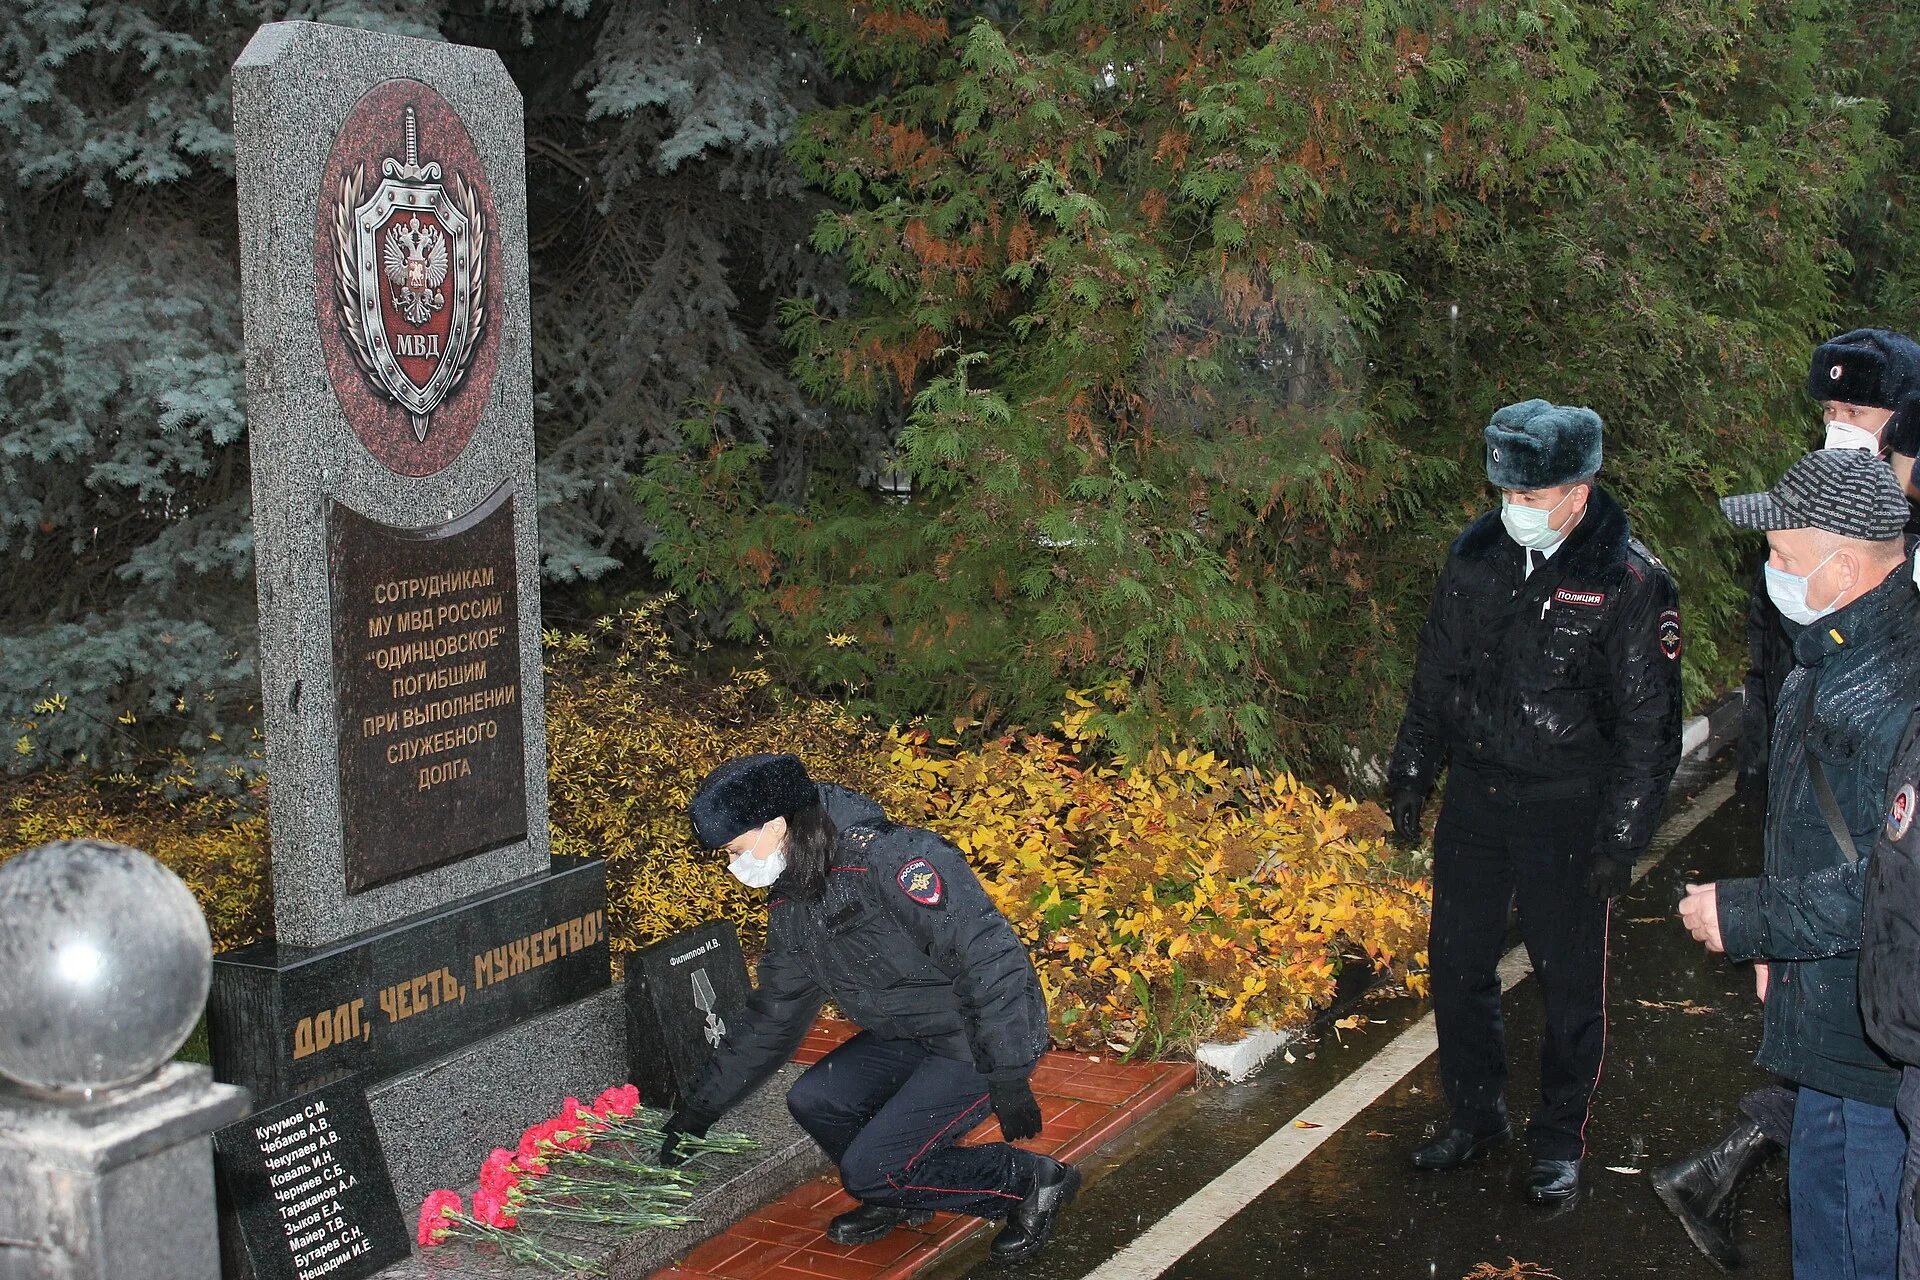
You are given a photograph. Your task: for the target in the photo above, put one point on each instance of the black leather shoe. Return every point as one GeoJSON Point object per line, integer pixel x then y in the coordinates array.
{"type": "Point", "coordinates": [1701, 1189]}
{"type": "Point", "coordinates": [1028, 1226]}
{"type": "Point", "coordinates": [872, 1221]}
{"type": "Point", "coordinates": [1457, 1148]}
{"type": "Point", "coordinates": [1553, 1181]}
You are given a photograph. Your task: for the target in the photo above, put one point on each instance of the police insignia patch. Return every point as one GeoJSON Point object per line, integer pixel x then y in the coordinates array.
{"type": "Point", "coordinates": [919, 881]}
{"type": "Point", "coordinates": [1900, 815]}
{"type": "Point", "coordinates": [1670, 642]}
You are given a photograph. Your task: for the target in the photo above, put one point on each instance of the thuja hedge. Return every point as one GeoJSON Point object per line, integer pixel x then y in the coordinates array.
{"type": "Point", "coordinates": [1191, 315]}
{"type": "Point", "coordinates": [1162, 899]}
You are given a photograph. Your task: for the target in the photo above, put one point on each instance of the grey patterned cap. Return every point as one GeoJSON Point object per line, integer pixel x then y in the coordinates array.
{"type": "Point", "coordinates": [1845, 491]}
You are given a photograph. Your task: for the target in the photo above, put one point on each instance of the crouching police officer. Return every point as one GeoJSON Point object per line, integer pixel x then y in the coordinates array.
{"type": "Point", "coordinates": [1549, 675]}
{"type": "Point", "coordinates": [888, 922]}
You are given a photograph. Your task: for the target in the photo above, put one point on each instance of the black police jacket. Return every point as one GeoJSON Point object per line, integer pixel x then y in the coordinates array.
{"type": "Point", "coordinates": [1847, 701]}
{"type": "Point", "coordinates": [1890, 916]}
{"type": "Point", "coordinates": [905, 942]}
{"type": "Point", "coordinates": [1573, 672]}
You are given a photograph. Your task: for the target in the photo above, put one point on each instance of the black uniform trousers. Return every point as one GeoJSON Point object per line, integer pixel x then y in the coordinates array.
{"type": "Point", "coordinates": [890, 1113]}
{"type": "Point", "coordinates": [1501, 843]}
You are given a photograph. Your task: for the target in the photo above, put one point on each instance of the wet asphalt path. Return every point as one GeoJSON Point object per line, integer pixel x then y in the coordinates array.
{"type": "Point", "coordinates": [1683, 1027]}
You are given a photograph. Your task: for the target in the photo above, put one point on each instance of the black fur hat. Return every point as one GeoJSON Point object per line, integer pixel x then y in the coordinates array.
{"type": "Point", "coordinates": [1877, 368]}
{"type": "Point", "coordinates": [1536, 445]}
{"type": "Point", "coordinates": [749, 792]}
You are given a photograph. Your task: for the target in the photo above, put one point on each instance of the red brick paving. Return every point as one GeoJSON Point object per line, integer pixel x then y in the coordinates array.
{"type": "Point", "coordinates": [1086, 1102]}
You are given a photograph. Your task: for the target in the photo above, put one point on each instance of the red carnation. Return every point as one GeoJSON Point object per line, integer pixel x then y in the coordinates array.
{"type": "Point", "coordinates": [532, 1156]}
{"type": "Point", "coordinates": [573, 1128]}
{"type": "Point", "coordinates": [499, 1174]}
{"type": "Point", "coordinates": [492, 1207]}
{"type": "Point", "coordinates": [437, 1213]}
{"type": "Point", "coordinates": [622, 1100]}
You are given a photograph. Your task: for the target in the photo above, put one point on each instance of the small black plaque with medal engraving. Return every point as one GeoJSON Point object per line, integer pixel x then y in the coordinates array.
{"type": "Point", "coordinates": [681, 995]}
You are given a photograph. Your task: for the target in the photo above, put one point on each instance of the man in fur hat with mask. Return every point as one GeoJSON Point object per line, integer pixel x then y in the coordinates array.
{"type": "Point", "coordinates": [1548, 680]}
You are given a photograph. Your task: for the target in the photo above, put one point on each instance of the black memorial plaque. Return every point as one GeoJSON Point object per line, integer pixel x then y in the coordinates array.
{"type": "Point", "coordinates": [307, 1186]}
{"type": "Point", "coordinates": [681, 994]}
{"type": "Point", "coordinates": [287, 1019]}
{"type": "Point", "coordinates": [426, 661]}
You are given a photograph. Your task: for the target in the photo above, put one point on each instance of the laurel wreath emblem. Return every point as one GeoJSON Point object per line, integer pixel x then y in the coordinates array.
{"type": "Point", "coordinates": [346, 275]}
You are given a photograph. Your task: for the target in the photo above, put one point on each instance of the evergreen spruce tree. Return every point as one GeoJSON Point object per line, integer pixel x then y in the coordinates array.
{"type": "Point", "coordinates": [666, 224]}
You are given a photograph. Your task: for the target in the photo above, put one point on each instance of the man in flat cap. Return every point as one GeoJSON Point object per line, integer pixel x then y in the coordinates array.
{"type": "Point", "coordinates": [1549, 680]}
{"type": "Point", "coordinates": [1866, 383]}
{"type": "Point", "coordinates": [1836, 569]}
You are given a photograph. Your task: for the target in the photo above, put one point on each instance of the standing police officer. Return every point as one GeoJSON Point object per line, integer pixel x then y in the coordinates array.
{"type": "Point", "coordinates": [889, 922]}
{"type": "Point", "coordinates": [1549, 677]}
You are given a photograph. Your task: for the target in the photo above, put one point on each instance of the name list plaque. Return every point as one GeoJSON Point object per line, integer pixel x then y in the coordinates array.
{"type": "Point", "coordinates": [310, 1188]}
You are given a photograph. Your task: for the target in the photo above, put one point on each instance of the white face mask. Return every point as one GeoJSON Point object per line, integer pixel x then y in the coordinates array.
{"type": "Point", "coordinates": [1788, 591]}
{"type": "Point", "coordinates": [755, 872]}
{"type": "Point", "coordinates": [1844, 435]}
{"type": "Point", "coordinates": [1531, 526]}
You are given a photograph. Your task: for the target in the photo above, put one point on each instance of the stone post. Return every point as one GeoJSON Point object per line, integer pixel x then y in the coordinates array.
{"type": "Point", "coordinates": [106, 1158]}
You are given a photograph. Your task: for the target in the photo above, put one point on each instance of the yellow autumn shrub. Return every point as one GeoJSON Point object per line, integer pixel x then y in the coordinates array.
{"type": "Point", "coordinates": [217, 844]}
{"type": "Point", "coordinates": [1162, 899]}
{"type": "Point", "coordinates": [1171, 897]}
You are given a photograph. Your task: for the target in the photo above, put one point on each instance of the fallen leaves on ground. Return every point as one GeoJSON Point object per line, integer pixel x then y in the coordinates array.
{"type": "Point", "coordinates": [1514, 1270]}
{"type": "Point", "coordinates": [1683, 1006]}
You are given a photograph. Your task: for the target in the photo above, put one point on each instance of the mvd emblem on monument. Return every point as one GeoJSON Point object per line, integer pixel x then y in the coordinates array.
{"type": "Point", "coordinates": [408, 295]}
{"type": "Point", "coordinates": [412, 343]}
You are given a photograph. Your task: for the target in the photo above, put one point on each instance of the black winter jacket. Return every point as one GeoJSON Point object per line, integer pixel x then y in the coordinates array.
{"type": "Point", "coordinates": [1770, 657]}
{"type": "Point", "coordinates": [1573, 672]}
{"type": "Point", "coordinates": [907, 944]}
{"type": "Point", "coordinates": [1847, 701]}
{"type": "Point", "coordinates": [1890, 916]}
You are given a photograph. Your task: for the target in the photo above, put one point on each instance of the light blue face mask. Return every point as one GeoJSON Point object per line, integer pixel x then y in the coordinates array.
{"type": "Point", "coordinates": [1788, 591]}
{"type": "Point", "coordinates": [1532, 527]}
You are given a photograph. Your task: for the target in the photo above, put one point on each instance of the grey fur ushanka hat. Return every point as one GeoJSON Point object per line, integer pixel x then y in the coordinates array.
{"type": "Point", "coordinates": [1537, 445]}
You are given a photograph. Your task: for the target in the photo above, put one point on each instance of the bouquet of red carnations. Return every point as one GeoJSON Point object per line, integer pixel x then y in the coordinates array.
{"type": "Point", "coordinates": [583, 1167]}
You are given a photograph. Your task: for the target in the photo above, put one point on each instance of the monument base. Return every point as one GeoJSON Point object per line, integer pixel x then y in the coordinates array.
{"type": "Point", "coordinates": [283, 1020]}
{"type": "Point", "coordinates": [438, 1121]}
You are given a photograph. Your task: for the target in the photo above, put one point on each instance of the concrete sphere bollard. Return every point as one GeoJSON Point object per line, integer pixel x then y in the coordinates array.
{"type": "Point", "coordinates": [105, 961]}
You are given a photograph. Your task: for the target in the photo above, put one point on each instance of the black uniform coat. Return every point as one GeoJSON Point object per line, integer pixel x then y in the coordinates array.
{"type": "Point", "coordinates": [907, 944]}
{"type": "Point", "coordinates": [1572, 672]}
{"type": "Point", "coordinates": [1848, 701]}
{"type": "Point", "coordinates": [1890, 916]}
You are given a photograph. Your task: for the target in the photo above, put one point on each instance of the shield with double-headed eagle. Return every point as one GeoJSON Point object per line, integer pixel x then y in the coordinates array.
{"type": "Point", "coordinates": [409, 268]}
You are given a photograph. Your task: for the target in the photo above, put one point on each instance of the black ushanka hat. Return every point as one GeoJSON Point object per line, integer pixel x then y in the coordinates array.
{"type": "Point", "coordinates": [749, 792]}
{"type": "Point", "coordinates": [1877, 368]}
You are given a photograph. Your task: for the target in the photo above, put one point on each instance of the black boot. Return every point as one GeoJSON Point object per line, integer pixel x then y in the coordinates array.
{"type": "Point", "coordinates": [1701, 1188]}
{"type": "Point", "coordinates": [1027, 1229]}
{"type": "Point", "coordinates": [872, 1221]}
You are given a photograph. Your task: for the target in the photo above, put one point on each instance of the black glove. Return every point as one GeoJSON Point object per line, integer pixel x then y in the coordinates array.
{"type": "Point", "coordinates": [1609, 877]}
{"type": "Point", "coordinates": [682, 1125]}
{"type": "Point", "coordinates": [1014, 1103]}
{"type": "Point", "coordinates": [1407, 803]}
{"type": "Point", "coordinates": [1750, 784]}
